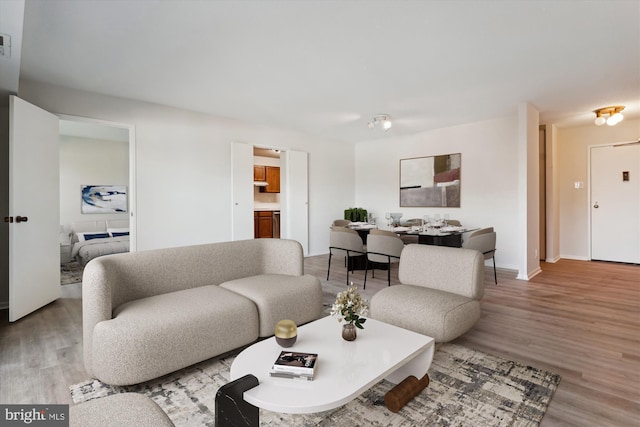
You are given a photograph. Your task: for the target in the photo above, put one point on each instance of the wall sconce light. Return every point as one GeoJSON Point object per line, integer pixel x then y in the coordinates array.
{"type": "Point", "coordinates": [384, 120]}
{"type": "Point", "coordinates": [609, 115]}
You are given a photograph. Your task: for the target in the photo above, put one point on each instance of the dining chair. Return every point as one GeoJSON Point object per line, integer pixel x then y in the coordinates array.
{"type": "Point", "coordinates": [411, 238]}
{"type": "Point", "coordinates": [481, 231]}
{"type": "Point", "coordinates": [341, 222]}
{"type": "Point", "coordinates": [383, 247]}
{"type": "Point", "coordinates": [484, 241]}
{"type": "Point", "coordinates": [345, 242]}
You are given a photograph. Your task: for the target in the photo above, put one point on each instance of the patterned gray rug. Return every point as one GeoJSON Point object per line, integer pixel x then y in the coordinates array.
{"type": "Point", "coordinates": [467, 388]}
{"type": "Point", "coordinates": [70, 272]}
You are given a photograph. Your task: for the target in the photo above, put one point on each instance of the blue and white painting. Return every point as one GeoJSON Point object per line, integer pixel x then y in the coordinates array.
{"type": "Point", "coordinates": [104, 199]}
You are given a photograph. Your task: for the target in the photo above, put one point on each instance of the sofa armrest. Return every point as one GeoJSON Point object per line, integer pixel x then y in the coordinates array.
{"type": "Point", "coordinates": [455, 270]}
{"type": "Point", "coordinates": [281, 256]}
{"type": "Point", "coordinates": [96, 303]}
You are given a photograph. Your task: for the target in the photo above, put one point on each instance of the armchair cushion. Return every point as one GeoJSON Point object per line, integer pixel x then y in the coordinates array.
{"type": "Point", "coordinates": [441, 315]}
{"type": "Point", "coordinates": [122, 410]}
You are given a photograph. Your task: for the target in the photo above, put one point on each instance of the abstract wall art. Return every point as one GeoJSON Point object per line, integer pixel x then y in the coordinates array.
{"type": "Point", "coordinates": [431, 181]}
{"type": "Point", "coordinates": [104, 199]}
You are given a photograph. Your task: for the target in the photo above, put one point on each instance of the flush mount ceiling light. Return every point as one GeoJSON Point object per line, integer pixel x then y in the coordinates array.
{"type": "Point", "coordinates": [609, 115]}
{"type": "Point", "coordinates": [384, 120]}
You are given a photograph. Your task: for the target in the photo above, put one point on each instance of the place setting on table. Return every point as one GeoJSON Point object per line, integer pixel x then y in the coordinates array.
{"type": "Point", "coordinates": [431, 230]}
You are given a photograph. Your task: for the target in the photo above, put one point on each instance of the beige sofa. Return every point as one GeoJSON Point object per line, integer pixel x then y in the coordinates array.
{"type": "Point", "coordinates": [149, 313]}
{"type": "Point", "coordinates": [439, 295]}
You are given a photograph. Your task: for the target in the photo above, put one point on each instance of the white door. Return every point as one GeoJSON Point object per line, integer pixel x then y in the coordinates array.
{"type": "Point", "coordinates": [615, 203]}
{"type": "Point", "coordinates": [34, 207]}
{"type": "Point", "coordinates": [295, 214]}
{"type": "Point", "coordinates": [241, 191]}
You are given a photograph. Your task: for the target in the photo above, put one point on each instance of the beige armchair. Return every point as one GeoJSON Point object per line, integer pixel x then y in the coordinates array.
{"type": "Point", "coordinates": [440, 292]}
{"type": "Point", "coordinates": [347, 243]}
{"type": "Point", "coordinates": [383, 247]}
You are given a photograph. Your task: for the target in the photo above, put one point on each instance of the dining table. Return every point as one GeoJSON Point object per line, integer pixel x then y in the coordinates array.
{"type": "Point", "coordinates": [443, 236]}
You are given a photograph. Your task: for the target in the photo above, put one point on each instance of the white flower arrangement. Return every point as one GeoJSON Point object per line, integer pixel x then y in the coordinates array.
{"type": "Point", "coordinates": [350, 307]}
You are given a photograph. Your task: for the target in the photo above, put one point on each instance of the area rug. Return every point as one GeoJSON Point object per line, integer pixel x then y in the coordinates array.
{"type": "Point", "coordinates": [70, 272]}
{"type": "Point", "coordinates": [467, 388]}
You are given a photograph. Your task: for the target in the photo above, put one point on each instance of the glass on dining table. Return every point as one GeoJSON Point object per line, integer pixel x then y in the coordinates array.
{"type": "Point", "coordinates": [396, 216]}
{"type": "Point", "coordinates": [437, 221]}
{"type": "Point", "coordinates": [427, 222]}
{"type": "Point", "coordinates": [371, 218]}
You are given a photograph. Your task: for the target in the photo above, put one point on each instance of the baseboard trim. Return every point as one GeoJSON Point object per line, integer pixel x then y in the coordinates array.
{"type": "Point", "coordinates": [577, 258]}
{"type": "Point", "coordinates": [529, 275]}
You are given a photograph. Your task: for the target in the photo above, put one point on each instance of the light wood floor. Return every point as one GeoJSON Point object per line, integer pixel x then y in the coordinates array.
{"type": "Point", "coordinates": [579, 319]}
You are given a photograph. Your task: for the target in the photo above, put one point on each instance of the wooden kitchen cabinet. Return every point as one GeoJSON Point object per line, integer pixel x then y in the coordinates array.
{"type": "Point", "coordinates": [259, 173]}
{"type": "Point", "coordinates": [263, 224]}
{"type": "Point", "coordinates": [273, 180]}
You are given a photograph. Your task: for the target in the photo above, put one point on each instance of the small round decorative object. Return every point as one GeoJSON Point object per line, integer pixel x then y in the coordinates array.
{"type": "Point", "coordinates": [286, 333]}
{"type": "Point", "coordinates": [349, 332]}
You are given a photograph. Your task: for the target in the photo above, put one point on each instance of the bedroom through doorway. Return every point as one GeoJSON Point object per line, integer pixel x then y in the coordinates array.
{"type": "Point", "coordinates": [96, 193]}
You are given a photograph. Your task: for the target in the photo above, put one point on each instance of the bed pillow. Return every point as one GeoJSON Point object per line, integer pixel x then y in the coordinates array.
{"type": "Point", "coordinates": [117, 230]}
{"type": "Point", "coordinates": [82, 237]}
{"type": "Point", "coordinates": [118, 234]}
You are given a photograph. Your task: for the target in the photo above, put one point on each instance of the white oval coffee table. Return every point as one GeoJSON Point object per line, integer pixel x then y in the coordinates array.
{"type": "Point", "coordinates": [344, 369]}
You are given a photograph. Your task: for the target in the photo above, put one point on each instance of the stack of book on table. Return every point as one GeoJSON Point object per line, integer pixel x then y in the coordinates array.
{"type": "Point", "coordinates": [295, 365]}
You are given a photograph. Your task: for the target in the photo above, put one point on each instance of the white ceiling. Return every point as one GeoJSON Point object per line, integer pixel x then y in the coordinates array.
{"type": "Point", "coordinates": [84, 129]}
{"type": "Point", "coordinates": [326, 67]}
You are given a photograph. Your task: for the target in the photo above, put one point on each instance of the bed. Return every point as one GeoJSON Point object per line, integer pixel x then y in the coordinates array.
{"type": "Point", "coordinates": [92, 239]}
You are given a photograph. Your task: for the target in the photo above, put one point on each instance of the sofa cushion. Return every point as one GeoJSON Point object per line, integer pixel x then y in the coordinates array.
{"type": "Point", "coordinates": [438, 314]}
{"type": "Point", "coordinates": [278, 297]}
{"type": "Point", "coordinates": [153, 336]}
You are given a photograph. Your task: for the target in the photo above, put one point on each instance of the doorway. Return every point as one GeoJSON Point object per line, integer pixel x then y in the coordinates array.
{"type": "Point", "coordinates": [294, 202]}
{"type": "Point", "coordinates": [615, 202]}
{"type": "Point", "coordinates": [266, 192]}
{"type": "Point", "coordinates": [98, 152]}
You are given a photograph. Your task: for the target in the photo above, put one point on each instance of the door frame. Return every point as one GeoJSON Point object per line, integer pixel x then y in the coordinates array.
{"type": "Point", "coordinates": [133, 245]}
{"type": "Point", "coordinates": [285, 206]}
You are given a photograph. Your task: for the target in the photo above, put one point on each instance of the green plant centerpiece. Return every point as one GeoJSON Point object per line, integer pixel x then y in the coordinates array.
{"type": "Point", "coordinates": [355, 214]}
{"type": "Point", "coordinates": [350, 307]}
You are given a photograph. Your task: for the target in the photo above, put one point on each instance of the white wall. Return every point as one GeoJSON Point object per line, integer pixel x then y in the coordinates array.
{"type": "Point", "coordinates": [489, 177]}
{"type": "Point", "coordinates": [572, 148]}
{"type": "Point", "coordinates": [183, 166]}
{"type": "Point", "coordinates": [89, 161]}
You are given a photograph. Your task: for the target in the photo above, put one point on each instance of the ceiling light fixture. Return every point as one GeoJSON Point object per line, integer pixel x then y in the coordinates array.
{"type": "Point", "coordinates": [384, 120]}
{"type": "Point", "coordinates": [609, 115]}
